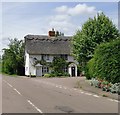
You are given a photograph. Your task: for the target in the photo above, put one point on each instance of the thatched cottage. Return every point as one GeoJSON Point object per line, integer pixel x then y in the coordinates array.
{"type": "Point", "coordinates": [39, 47]}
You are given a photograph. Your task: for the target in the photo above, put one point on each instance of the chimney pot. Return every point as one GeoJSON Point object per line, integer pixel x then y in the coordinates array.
{"type": "Point", "coordinates": [51, 33]}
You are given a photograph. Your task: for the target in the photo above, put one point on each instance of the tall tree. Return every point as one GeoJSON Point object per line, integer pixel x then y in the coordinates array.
{"type": "Point", "coordinates": [13, 57]}
{"type": "Point", "coordinates": [94, 31]}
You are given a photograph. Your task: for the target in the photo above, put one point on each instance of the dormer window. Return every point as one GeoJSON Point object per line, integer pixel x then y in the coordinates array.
{"type": "Point", "coordinates": [45, 57]}
{"type": "Point", "coordinates": [64, 56]}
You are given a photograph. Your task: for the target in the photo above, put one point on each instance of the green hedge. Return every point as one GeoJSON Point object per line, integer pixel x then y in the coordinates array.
{"type": "Point", "coordinates": [106, 62]}
{"type": "Point", "coordinates": [90, 69]}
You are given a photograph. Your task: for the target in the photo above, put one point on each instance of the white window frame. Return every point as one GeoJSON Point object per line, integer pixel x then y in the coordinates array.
{"type": "Point", "coordinates": [46, 57]}
{"type": "Point", "coordinates": [65, 69]}
{"type": "Point", "coordinates": [45, 69]}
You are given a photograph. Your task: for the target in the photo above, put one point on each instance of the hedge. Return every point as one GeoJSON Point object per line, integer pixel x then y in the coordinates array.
{"type": "Point", "coordinates": [89, 71]}
{"type": "Point", "coordinates": [106, 62]}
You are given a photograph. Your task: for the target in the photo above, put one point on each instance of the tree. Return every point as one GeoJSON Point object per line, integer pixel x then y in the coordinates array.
{"type": "Point", "coordinates": [94, 31]}
{"type": "Point", "coordinates": [13, 57]}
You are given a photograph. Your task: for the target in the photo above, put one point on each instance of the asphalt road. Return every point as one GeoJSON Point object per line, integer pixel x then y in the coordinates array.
{"type": "Point", "coordinates": [38, 95]}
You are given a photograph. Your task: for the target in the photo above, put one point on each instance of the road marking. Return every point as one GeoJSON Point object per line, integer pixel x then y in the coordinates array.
{"type": "Point", "coordinates": [56, 86]}
{"type": "Point", "coordinates": [110, 99]}
{"type": "Point", "coordinates": [60, 87]}
{"type": "Point", "coordinates": [81, 92]}
{"type": "Point", "coordinates": [64, 87]}
{"type": "Point", "coordinates": [74, 89]}
{"type": "Point", "coordinates": [17, 91]}
{"type": "Point", "coordinates": [115, 100]}
{"type": "Point", "coordinates": [96, 96]}
{"type": "Point", "coordinates": [88, 93]}
{"type": "Point", "coordinates": [13, 88]}
{"type": "Point", "coordinates": [9, 84]}
{"type": "Point", "coordinates": [34, 106]}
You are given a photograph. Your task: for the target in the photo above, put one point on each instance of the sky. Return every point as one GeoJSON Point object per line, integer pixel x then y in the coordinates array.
{"type": "Point", "coordinates": [37, 18]}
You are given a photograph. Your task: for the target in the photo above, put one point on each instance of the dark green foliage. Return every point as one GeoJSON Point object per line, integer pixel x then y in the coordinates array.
{"type": "Point", "coordinates": [57, 66]}
{"type": "Point", "coordinates": [106, 62]}
{"type": "Point", "coordinates": [13, 58]}
{"type": "Point", "coordinates": [89, 71]}
{"type": "Point", "coordinates": [94, 32]}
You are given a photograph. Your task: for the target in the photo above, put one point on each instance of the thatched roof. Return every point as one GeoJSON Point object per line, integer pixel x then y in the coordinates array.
{"type": "Point", "coordinates": [37, 44]}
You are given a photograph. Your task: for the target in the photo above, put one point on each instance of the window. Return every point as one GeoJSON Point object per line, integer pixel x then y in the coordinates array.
{"type": "Point", "coordinates": [65, 69]}
{"type": "Point", "coordinates": [45, 69]}
{"type": "Point", "coordinates": [64, 56]}
{"type": "Point", "coordinates": [45, 57]}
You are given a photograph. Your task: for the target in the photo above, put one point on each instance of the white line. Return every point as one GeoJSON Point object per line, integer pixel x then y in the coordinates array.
{"type": "Point", "coordinates": [88, 93]}
{"type": "Point", "coordinates": [13, 88]}
{"type": "Point", "coordinates": [113, 100]}
{"type": "Point", "coordinates": [34, 106]}
{"type": "Point", "coordinates": [64, 87]}
{"type": "Point", "coordinates": [56, 86]}
{"type": "Point", "coordinates": [96, 96]}
{"type": "Point", "coordinates": [60, 87]}
{"type": "Point", "coordinates": [17, 91]}
{"type": "Point", "coordinates": [74, 89]}
{"type": "Point", "coordinates": [110, 99]}
{"type": "Point", "coordinates": [81, 92]}
{"type": "Point", "coordinates": [9, 84]}
{"type": "Point", "coordinates": [116, 101]}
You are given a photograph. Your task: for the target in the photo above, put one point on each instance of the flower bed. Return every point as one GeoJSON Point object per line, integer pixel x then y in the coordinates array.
{"type": "Point", "coordinates": [105, 85]}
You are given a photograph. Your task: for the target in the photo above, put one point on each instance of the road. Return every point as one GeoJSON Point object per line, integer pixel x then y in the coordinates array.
{"type": "Point", "coordinates": [39, 95]}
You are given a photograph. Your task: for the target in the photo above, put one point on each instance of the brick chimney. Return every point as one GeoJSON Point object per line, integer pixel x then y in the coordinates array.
{"type": "Point", "coordinates": [51, 33]}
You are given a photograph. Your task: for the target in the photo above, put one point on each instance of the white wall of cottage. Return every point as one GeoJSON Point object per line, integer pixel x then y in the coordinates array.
{"type": "Point", "coordinates": [30, 69]}
{"type": "Point", "coordinates": [27, 63]}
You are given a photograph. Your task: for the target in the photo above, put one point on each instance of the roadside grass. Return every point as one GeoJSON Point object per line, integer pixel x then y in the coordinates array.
{"type": "Point", "coordinates": [13, 75]}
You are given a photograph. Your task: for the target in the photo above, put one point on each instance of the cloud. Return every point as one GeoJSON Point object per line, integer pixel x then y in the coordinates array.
{"type": "Point", "coordinates": [60, 17]}
{"type": "Point", "coordinates": [61, 9]}
{"type": "Point", "coordinates": [79, 9]}
{"type": "Point", "coordinates": [63, 20]}
{"type": "Point", "coordinates": [60, 22]}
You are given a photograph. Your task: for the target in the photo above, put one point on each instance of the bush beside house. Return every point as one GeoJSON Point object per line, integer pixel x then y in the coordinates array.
{"type": "Point", "coordinates": [105, 63]}
{"type": "Point", "coordinates": [57, 68]}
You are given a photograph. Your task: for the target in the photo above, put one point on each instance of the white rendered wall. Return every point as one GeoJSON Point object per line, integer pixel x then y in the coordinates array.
{"type": "Point", "coordinates": [71, 59]}
{"type": "Point", "coordinates": [26, 63]}
{"type": "Point", "coordinates": [30, 69]}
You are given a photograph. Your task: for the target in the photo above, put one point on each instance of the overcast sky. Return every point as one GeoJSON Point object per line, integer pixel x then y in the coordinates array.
{"type": "Point", "coordinates": [22, 18]}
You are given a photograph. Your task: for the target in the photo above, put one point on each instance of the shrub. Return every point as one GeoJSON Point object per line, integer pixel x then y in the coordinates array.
{"type": "Point", "coordinates": [106, 62]}
{"type": "Point", "coordinates": [52, 75]}
{"type": "Point", "coordinates": [89, 71]}
{"type": "Point", "coordinates": [47, 75]}
{"type": "Point", "coordinates": [66, 74]}
{"type": "Point", "coordinates": [115, 88]}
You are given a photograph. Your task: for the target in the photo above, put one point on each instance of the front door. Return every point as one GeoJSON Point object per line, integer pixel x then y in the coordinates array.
{"type": "Point", "coordinates": [38, 71]}
{"type": "Point", "coordinates": [73, 71]}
